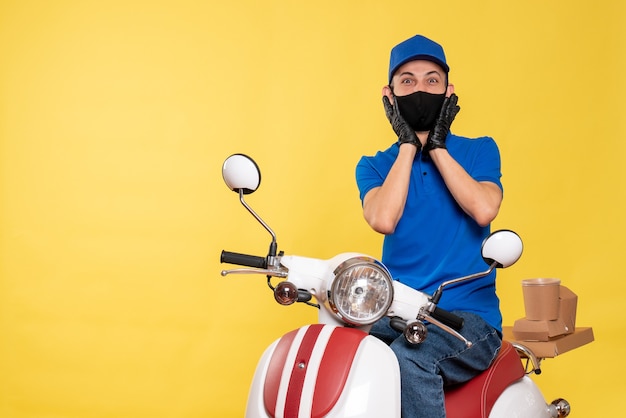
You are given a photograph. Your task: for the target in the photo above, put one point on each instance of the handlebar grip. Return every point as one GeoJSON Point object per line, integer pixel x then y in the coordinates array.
{"type": "Point", "coordinates": [243, 260]}
{"type": "Point", "coordinates": [453, 321]}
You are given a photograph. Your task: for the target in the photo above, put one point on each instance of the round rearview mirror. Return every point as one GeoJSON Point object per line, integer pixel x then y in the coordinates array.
{"type": "Point", "coordinates": [503, 246]}
{"type": "Point", "coordinates": [241, 173]}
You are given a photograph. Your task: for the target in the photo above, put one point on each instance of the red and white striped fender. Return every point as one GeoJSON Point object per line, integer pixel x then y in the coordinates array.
{"type": "Point", "coordinates": [308, 371]}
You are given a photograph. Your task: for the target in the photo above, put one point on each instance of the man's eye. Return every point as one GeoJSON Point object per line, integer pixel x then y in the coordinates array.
{"type": "Point", "coordinates": [406, 81]}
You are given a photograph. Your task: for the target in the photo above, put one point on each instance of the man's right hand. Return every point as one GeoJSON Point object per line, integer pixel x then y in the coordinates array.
{"type": "Point", "coordinates": [406, 135]}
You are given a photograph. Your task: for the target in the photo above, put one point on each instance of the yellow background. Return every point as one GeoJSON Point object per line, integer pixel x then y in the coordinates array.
{"type": "Point", "coordinates": [115, 118]}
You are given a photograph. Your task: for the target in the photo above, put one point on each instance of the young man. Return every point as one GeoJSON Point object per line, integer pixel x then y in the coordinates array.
{"type": "Point", "coordinates": [433, 195]}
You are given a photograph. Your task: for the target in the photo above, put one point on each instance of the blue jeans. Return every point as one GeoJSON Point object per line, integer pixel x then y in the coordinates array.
{"type": "Point", "coordinates": [439, 361]}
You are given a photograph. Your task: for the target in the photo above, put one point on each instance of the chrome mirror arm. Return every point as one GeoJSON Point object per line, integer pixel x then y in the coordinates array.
{"type": "Point", "coordinates": [273, 245]}
{"type": "Point", "coordinates": [437, 295]}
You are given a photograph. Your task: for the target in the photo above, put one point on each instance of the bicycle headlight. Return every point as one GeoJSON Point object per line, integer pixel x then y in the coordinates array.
{"type": "Point", "coordinates": [361, 292]}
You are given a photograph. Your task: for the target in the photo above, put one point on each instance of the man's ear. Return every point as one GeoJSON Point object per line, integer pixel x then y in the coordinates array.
{"type": "Point", "coordinates": [389, 93]}
{"type": "Point", "coordinates": [450, 90]}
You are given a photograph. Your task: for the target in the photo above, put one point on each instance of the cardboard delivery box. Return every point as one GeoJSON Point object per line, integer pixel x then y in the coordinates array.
{"type": "Point", "coordinates": [544, 330]}
{"type": "Point", "coordinates": [556, 346]}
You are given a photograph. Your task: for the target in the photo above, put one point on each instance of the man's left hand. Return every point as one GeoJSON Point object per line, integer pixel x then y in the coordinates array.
{"type": "Point", "coordinates": [437, 135]}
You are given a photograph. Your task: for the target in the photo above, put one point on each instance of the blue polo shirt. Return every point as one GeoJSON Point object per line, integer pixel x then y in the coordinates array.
{"type": "Point", "coordinates": [435, 240]}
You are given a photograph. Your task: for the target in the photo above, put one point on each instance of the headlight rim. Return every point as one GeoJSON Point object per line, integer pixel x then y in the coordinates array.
{"type": "Point", "coordinates": [355, 262]}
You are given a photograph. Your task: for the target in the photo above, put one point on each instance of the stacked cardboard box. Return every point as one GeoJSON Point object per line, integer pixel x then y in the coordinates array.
{"type": "Point", "coordinates": [549, 338]}
{"type": "Point", "coordinates": [544, 330]}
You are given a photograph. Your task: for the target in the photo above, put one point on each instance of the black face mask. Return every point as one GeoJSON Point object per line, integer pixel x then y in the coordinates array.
{"type": "Point", "coordinates": [420, 109]}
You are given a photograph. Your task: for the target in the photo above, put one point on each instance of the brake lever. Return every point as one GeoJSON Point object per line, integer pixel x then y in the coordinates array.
{"type": "Point", "coordinates": [424, 316]}
{"type": "Point", "coordinates": [267, 272]}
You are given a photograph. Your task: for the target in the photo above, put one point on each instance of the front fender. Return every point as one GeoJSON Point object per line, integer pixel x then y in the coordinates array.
{"type": "Point", "coordinates": [326, 371]}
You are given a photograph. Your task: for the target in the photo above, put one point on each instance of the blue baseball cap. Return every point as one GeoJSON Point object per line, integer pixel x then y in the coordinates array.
{"type": "Point", "coordinates": [416, 48]}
